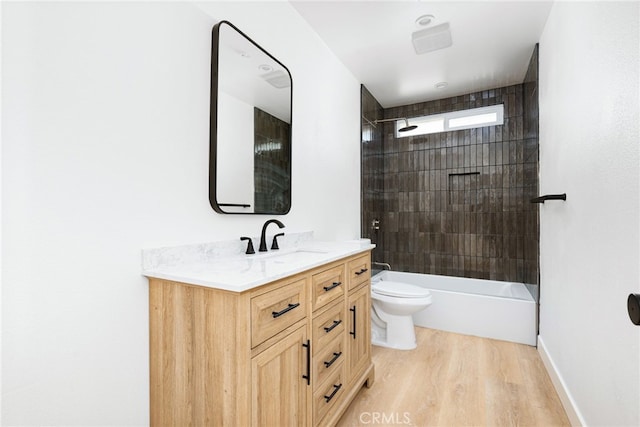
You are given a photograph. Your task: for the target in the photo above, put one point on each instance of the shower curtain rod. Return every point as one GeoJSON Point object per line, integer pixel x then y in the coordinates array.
{"type": "Point", "coordinates": [370, 122]}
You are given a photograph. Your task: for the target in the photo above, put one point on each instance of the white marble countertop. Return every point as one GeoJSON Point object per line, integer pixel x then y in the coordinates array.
{"type": "Point", "coordinates": [239, 272]}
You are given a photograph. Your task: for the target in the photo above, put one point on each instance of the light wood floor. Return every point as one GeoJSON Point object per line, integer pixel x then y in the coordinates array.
{"type": "Point", "coordinates": [457, 380]}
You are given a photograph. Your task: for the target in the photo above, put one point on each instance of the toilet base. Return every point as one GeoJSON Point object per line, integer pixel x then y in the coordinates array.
{"type": "Point", "coordinates": [399, 332]}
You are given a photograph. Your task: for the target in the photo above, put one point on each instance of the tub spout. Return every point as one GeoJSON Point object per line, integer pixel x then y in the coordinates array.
{"type": "Point", "coordinates": [382, 264]}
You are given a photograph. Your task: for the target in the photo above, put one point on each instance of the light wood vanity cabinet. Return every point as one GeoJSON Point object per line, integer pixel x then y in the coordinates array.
{"type": "Point", "coordinates": [359, 340]}
{"type": "Point", "coordinates": [277, 382]}
{"type": "Point", "coordinates": [273, 310]}
{"type": "Point", "coordinates": [280, 354]}
{"type": "Point", "coordinates": [359, 307]}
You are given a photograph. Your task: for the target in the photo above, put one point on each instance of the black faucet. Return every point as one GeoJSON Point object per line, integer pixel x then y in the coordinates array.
{"type": "Point", "coordinates": [274, 244]}
{"type": "Point", "coordinates": [263, 239]}
{"type": "Point", "coordinates": [249, 246]}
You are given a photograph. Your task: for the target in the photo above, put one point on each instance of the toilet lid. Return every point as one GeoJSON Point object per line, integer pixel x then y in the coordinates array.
{"type": "Point", "coordinates": [398, 289]}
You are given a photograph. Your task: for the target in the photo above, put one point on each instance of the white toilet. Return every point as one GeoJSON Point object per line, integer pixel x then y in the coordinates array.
{"type": "Point", "coordinates": [393, 303]}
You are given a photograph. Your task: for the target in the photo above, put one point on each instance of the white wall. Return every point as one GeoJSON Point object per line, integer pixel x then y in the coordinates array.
{"type": "Point", "coordinates": [589, 245]}
{"type": "Point", "coordinates": [1, 185]}
{"type": "Point", "coordinates": [105, 152]}
{"type": "Point", "coordinates": [235, 123]}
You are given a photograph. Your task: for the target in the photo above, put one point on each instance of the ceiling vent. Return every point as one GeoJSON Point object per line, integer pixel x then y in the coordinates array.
{"type": "Point", "coordinates": [431, 39]}
{"type": "Point", "coordinates": [277, 78]}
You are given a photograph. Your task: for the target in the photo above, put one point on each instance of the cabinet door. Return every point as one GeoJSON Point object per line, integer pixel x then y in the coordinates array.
{"type": "Point", "coordinates": [279, 391]}
{"type": "Point", "coordinates": [359, 338]}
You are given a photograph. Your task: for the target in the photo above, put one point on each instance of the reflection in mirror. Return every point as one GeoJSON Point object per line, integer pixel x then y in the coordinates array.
{"type": "Point", "coordinates": [250, 153]}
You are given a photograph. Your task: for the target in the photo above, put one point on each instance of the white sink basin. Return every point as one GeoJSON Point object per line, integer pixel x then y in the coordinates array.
{"type": "Point", "coordinates": [299, 255]}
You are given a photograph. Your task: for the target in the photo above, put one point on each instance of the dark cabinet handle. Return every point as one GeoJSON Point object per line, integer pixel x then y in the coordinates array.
{"type": "Point", "coordinates": [333, 393]}
{"type": "Point", "coordinates": [284, 310]}
{"type": "Point", "coordinates": [330, 328]}
{"type": "Point", "coordinates": [333, 285]}
{"type": "Point", "coordinates": [307, 377]}
{"type": "Point", "coordinates": [353, 310]}
{"type": "Point", "coordinates": [335, 357]}
{"type": "Point", "coordinates": [362, 270]}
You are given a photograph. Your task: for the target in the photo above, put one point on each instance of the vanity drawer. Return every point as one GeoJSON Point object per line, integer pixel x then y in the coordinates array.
{"type": "Point", "coordinates": [327, 286]}
{"type": "Point", "coordinates": [327, 395]}
{"type": "Point", "coordinates": [276, 310]}
{"type": "Point", "coordinates": [327, 326]}
{"type": "Point", "coordinates": [359, 270]}
{"type": "Point", "coordinates": [328, 360]}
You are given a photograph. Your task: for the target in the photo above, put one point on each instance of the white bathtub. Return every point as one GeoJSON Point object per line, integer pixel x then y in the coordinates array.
{"type": "Point", "coordinates": [485, 308]}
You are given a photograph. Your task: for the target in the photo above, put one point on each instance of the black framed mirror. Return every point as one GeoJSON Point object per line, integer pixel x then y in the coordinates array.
{"type": "Point", "coordinates": [250, 128]}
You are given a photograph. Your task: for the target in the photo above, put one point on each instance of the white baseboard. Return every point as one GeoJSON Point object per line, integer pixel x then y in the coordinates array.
{"type": "Point", "coordinates": [575, 418]}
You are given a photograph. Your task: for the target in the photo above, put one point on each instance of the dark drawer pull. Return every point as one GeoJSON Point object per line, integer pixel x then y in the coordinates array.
{"type": "Point", "coordinates": [330, 328]}
{"type": "Point", "coordinates": [333, 393]}
{"type": "Point", "coordinates": [353, 310]}
{"type": "Point", "coordinates": [335, 357]}
{"type": "Point", "coordinates": [284, 310]}
{"type": "Point", "coordinates": [334, 285]}
{"type": "Point", "coordinates": [362, 270]}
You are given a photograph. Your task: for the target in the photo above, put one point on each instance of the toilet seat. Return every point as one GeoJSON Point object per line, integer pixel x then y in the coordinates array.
{"type": "Point", "coordinates": [399, 290]}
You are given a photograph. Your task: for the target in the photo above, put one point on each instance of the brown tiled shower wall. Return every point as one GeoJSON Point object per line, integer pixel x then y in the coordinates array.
{"type": "Point", "coordinates": [271, 163]}
{"type": "Point", "coordinates": [456, 203]}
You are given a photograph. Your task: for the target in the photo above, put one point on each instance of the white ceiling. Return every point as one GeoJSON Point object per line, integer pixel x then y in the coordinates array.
{"type": "Point", "coordinates": [492, 44]}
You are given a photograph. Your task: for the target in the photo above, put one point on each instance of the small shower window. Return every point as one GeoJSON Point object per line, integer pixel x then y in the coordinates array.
{"type": "Point", "coordinates": [454, 120]}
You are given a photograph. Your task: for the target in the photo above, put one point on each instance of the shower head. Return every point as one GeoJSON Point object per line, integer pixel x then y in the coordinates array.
{"type": "Point", "coordinates": [405, 128]}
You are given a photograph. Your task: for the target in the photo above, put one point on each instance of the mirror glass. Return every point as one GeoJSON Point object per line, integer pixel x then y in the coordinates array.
{"type": "Point", "coordinates": [250, 153]}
